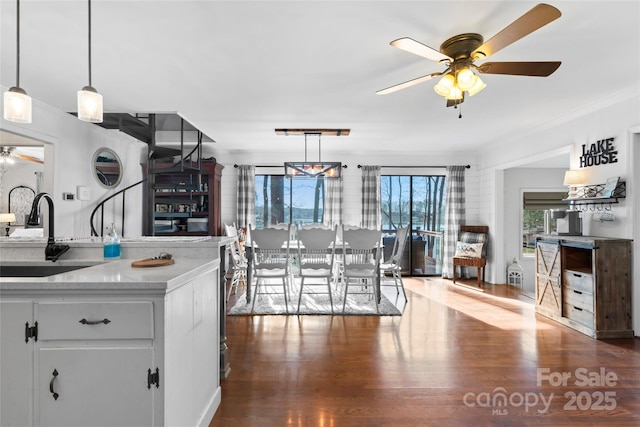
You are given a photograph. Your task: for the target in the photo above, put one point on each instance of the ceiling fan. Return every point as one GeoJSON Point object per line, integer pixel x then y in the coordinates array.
{"type": "Point", "coordinates": [460, 52]}
{"type": "Point", "coordinates": [7, 154]}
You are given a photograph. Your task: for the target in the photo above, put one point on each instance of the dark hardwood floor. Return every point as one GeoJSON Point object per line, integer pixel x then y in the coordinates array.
{"type": "Point", "coordinates": [451, 359]}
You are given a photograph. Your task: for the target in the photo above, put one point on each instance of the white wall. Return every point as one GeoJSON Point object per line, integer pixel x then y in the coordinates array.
{"type": "Point", "coordinates": [69, 148]}
{"type": "Point", "coordinates": [617, 119]}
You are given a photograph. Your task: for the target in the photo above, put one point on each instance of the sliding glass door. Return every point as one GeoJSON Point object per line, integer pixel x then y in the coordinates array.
{"type": "Point", "coordinates": [416, 201]}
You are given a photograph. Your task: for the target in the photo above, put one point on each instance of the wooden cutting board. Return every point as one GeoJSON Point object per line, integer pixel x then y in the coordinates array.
{"type": "Point", "coordinates": [151, 262]}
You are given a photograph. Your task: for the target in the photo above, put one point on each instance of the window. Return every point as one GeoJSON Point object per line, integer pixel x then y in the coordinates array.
{"type": "Point", "coordinates": [534, 204]}
{"type": "Point", "coordinates": [416, 201]}
{"type": "Point", "coordinates": [293, 201]}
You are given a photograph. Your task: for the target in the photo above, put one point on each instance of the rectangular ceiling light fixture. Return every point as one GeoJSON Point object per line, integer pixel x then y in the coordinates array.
{"type": "Point", "coordinates": [308, 169]}
{"type": "Point", "coordinates": [323, 132]}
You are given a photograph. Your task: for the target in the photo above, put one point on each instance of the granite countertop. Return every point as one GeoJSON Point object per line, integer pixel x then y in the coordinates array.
{"type": "Point", "coordinates": [113, 275]}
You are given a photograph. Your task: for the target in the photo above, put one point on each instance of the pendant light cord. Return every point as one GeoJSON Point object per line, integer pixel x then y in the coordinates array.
{"type": "Point", "coordinates": [90, 44]}
{"type": "Point", "coordinates": [17, 43]}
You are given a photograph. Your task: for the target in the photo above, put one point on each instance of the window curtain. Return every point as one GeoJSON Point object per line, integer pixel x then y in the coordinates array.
{"type": "Point", "coordinates": [371, 216]}
{"type": "Point", "coordinates": [454, 217]}
{"type": "Point", "coordinates": [333, 202]}
{"type": "Point", "coordinates": [246, 195]}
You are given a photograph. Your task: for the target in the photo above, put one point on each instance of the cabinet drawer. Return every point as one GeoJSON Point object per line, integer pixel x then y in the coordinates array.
{"type": "Point", "coordinates": [579, 281]}
{"type": "Point", "coordinates": [95, 320]}
{"type": "Point", "coordinates": [578, 299]}
{"type": "Point", "coordinates": [579, 315]}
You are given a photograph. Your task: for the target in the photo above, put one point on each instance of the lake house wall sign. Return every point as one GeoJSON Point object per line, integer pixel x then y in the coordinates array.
{"type": "Point", "coordinates": [600, 153]}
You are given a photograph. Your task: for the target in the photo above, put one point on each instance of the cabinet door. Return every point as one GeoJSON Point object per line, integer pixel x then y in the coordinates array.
{"type": "Point", "coordinates": [16, 369]}
{"type": "Point", "coordinates": [548, 278]}
{"type": "Point", "coordinates": [95, 387]}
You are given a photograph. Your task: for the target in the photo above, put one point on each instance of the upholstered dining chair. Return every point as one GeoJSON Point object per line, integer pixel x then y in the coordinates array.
{"type": "Point", "coordinates": [316, 255]}
{"type": "Point", "coordinates": [394, 264]}
{"type": "Point", "coordinates": [271, 260]}
{"type": "Point", "coordinates": [471, 249]}
{"type": "Point", "coordinates": [361, 257]}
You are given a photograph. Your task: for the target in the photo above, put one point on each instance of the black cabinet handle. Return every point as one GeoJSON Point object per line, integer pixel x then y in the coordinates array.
{"type": "Point", "coordinates": [55, 375]}
{"type": "Point", "coordinates": [577, 308]}
{"type": "Point", "coordinates": [577, 275]}
{"type": "Point", "coordinates": [577, 292]}
{"type": "Point", "coordinates": [95, 322]}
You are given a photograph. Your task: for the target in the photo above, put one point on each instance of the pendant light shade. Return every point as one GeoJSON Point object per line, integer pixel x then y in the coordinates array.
{"type": "Point", "coordinates": [17, 104]}
{"type": "Point", "coordinates": [89, 100]}
{"type": "Point", "coordinates": [89, 105]}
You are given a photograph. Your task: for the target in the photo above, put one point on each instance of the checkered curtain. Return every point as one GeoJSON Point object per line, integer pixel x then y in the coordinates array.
{"type": "Point", "coordinates": [454, 208]}
{"type": "Point", "coordinates": [246, 195]}
{"type": "Point", "coordinates": [371, 216]}
{"type": "Point", "coordinates": [333, 201]}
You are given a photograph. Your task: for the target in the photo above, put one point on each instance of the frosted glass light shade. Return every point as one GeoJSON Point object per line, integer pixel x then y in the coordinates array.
{"type": "Point", "coordinates": [444, 85]}
{"type": "Point", "coordinates": [17, 105]}
{"type": "Point", "coordinates": [478, 85]}
{"type": "Point", "coordinates": [454, 94]}
{"type": "Point", "coordinates": [89, 105]}
{"type": "Point", "coordinates": [466, 79]}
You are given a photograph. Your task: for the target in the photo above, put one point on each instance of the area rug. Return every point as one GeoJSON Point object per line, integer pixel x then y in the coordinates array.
{"type": "Point", "coordinates": [314, 304]}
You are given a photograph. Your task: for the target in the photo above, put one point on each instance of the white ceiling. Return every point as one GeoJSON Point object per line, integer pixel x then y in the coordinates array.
{"type": "Point", "coordinates": [237, 69]}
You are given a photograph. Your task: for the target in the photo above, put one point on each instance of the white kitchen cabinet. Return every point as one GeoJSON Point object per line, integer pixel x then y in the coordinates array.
{"type": "Point", "coordinates": [16, 363]}
{"type": "Point", "coordinates": [127, 357]}
{"type": "Point", "coordinates": [104, 385]}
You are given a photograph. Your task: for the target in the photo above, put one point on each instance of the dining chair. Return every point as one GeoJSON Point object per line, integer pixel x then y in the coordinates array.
{"type": "Point", "coordinates": [316, 255]}
{"type": "Point", "coordinates": [394, 264]}
{"type": "Point", "coordinates": [238, 263]}
{"type": "Point", "coordinates": [361, 257]}
{"type": "Point", "coordinates": [270, 249]}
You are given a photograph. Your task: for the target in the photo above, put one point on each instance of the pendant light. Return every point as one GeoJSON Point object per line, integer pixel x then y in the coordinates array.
{"type": "Point", "coordinates": [17, 104]}
{"type": "Point", "coordinates": [309, 169]}
{"type": "Point", "coordinates": [89, 100]}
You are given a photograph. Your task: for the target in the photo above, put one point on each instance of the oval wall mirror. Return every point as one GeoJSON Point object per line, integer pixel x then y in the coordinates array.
{"type": "Point", "coordinates": [107, 167]}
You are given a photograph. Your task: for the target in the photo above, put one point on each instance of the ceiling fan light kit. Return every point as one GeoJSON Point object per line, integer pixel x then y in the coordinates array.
{"type": "Point", "coordinates": [17, 104]}
{"type": "Point", "coordinates": [459, 52]}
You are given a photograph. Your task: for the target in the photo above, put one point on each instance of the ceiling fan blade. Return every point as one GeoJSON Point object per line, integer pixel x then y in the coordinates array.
{"type": "Point", "coordinates": [407, 84]}
{"type": "Point", "coordinates": [538, 69]}
{"type": "Point", "coordinates": [539, 16]}
{"type": "Point", "coordinates": [28, 158]}
{"type": "Point", "coordinates": [417, 48]}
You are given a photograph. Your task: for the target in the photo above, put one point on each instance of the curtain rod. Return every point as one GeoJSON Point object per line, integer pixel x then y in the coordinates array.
{"type": "Point", "coordinates": [276, 166]}
{"type": "Point", "coordinates": [404, 166]}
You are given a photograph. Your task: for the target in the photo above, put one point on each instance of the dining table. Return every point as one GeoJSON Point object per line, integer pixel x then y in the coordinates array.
{"type": "Point", "coordinates": [293, 250]}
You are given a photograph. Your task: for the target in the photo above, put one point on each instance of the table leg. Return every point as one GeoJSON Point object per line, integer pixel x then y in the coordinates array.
{"type": "Point", "coordinates": [249, 253]}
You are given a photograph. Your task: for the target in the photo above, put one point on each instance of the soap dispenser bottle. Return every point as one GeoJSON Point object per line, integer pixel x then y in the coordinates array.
{"type": "Point", "coordinates": [111, 243]}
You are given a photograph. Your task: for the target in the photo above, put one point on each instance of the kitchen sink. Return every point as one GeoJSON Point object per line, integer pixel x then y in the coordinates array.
{"type": "Point", "coordinates": [30, 270]}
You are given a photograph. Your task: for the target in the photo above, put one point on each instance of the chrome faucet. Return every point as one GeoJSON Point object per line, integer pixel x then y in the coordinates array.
{"type": "Point", "coordinates": [53, 251]}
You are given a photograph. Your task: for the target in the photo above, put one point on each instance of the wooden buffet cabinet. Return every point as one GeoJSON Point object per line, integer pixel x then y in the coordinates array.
{"type": "Point", "coordinates": [183, 201]}
{"type": "Point", "coordinates": [584, 282]}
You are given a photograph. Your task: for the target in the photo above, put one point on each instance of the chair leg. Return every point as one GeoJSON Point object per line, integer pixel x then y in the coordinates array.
{"type": "Point", "coordinates": [401, 284]}
{"type": "Point", "coordinates": [300, 295]}
{"type": "Point", "coordinates": [454, 273]}
{"type": "Point", "coordinates": [255, 294]}
{"type": "Point", "coordinates": [346, 291]}
{"type": "Point", "coordinates": [330, 296]}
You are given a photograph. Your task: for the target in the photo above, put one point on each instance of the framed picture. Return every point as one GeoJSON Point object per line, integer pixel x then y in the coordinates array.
{"type": "Point", "coordinates": [610, 186]}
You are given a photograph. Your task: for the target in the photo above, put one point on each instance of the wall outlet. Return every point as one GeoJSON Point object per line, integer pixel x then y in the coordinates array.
{"type": "Point", "coordinates": [68, 196]}
{"type": "Point", "coordinates": [83, 193]}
